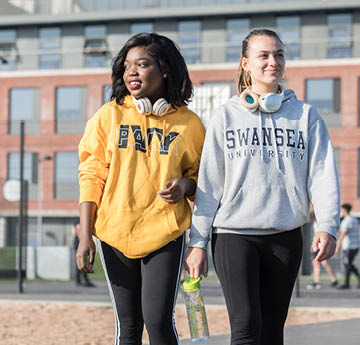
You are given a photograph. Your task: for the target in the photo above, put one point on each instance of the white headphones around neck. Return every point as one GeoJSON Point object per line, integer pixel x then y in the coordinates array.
{"type": "Point", "coordinates": [143, 106]}
{"type": "Point", "coordinates": [267, 103]}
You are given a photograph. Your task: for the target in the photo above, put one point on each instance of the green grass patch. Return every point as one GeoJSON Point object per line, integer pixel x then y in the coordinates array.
{"type": "Point", "coordinates": [8, 258]}
{"type": "Point", "coordinates": [98, 269]}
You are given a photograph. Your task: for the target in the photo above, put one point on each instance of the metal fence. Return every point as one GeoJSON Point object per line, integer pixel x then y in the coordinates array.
{"type": "Point", "coordinates": [13, 237]}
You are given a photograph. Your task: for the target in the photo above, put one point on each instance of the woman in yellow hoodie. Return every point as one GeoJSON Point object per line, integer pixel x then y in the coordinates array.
{"type": "Point", "coordinates": [139, 160]}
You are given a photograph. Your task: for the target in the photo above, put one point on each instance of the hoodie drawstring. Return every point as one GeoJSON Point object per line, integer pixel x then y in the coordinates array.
{"type": "Point", "coordinates": [275, 143]}
{"type": "Point", "coordinates": [260, 114]}
{"type": "Point", "coordinates": [163, 132]}
{"type": "Point", "coordinates": [146, 135]}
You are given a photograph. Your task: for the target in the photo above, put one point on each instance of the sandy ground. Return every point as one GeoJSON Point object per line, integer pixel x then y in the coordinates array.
{"type": "Point", "coordinates": [30, 323]}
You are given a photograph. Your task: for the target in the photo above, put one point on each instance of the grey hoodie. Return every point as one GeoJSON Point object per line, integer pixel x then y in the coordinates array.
{"type": "Point", "coordinates": [260, 171]}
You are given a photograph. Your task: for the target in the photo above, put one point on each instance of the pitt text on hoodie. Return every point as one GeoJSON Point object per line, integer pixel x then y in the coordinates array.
{"type": "Point", "coordinates": [162, 145]}
{"type": "Point", "coordinates": [253, 142]}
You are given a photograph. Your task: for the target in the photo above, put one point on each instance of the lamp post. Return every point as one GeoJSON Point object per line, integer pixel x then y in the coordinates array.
{"type": "Point", "coordinates": [40, 200]}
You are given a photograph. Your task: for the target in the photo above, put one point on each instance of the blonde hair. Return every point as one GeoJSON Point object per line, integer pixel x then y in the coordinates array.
{"type": "Point", "coordinates": [244, 78]}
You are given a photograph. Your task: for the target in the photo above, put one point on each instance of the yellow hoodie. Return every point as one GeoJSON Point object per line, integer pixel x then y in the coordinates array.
{"type": "Point", "coordinates": [122, 169]}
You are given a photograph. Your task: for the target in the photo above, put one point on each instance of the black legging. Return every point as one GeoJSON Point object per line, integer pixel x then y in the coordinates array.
{"type": "Point", "coordinates": [348, 258]}
{"type": "Point", "coordinates": [257, 274]}
{"type": "Point", "coordinates": [144, 291]}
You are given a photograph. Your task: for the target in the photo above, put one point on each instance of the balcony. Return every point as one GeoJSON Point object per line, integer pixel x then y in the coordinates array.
{"type": "Point", "coordinates": [60, 7]}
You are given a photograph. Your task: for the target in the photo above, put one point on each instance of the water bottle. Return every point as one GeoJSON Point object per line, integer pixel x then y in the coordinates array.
{"type": "Point", "coordinates": [195, 309]}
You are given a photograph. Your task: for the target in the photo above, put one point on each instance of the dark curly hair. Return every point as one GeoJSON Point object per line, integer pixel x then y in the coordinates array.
{"type": "Point", "coordinates": [178, 85]}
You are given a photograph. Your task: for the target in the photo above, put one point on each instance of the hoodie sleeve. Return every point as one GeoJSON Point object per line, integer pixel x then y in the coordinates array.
{"type": "Point", "coordinates": [191, 160]}
{"type": "Point", "coordinates": [322, 184]}
{"type": "Point", "coordinates": [94, 162]}
{"type": "Point", "coordinates": [210, 184]}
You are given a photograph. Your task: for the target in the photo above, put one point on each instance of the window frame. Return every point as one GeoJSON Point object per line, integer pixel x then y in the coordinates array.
{"type": "Point", "coordinates": [50, 54]}
{"type": "Point", "coordinates": [68, 125]}
{"type": "Point", "coordinates": [335, 99]}
{"type": "Point", "coordinates": [96, 48]}
{"type": "Point", "coordinates": [187, 48]}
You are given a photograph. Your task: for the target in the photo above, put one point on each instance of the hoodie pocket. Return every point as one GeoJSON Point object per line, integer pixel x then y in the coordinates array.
{"type": "Point", "coordinates": [279, 207]}
{"type": "Point", "coordinates": [172, 224]}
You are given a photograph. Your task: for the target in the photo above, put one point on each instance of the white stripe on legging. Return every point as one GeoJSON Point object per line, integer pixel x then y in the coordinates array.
{"type": "Point", "coordinates": [177, 286]}
{"type": "Point", "coordinates": [117, 321]}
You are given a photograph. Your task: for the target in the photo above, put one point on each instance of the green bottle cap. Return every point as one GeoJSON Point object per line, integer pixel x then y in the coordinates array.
{"type": "Point", "coordinates": [191, 284]}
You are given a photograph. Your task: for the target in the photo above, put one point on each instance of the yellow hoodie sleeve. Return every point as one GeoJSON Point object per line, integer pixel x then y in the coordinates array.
{"type": "Point", "coordinates": [94, 161]}
{"type": "Point", "coordinates": [192, 157]}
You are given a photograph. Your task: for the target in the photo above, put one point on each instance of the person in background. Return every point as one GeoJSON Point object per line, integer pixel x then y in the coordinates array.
{"type": "Point", "coordinates": [349, 242]}
{"type": "Point", "coordinates": [139, 160]}
{"type": "Point", "coordinates": [81, 277]}
{"type": "Point", "coordinates": [317, 265]}
{"type": "Point", "coordinates": [266, 157]}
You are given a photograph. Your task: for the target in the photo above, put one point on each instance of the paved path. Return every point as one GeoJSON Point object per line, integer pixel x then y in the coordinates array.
{"type": "Point", "coordinates": [345, 332]}
{"type": "Point", "coordinates": [327, 333]}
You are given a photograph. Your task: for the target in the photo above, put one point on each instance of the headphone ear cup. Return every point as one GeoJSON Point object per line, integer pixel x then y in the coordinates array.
{"type": "Point", "coordinates": [249, 100]}
{"type": "Point", "coordinates": [143, 105]}
{"type": "Point", "coordinates": [161, 107]}
{"type": "Point", "coordinates": [147, 105]}
{"type": "Point", "coordinates": [271, 102]}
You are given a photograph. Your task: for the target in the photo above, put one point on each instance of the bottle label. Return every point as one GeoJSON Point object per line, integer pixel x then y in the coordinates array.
{"type": "Point", "coordinates": [196, 315]}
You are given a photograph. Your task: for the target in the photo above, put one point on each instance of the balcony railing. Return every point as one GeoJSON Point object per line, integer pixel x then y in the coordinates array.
{"type": "Point", "coordinates": [62, 7]}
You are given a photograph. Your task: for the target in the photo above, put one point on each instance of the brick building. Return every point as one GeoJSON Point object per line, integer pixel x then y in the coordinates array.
{"type": "Point", "coordinates": [57, 74]}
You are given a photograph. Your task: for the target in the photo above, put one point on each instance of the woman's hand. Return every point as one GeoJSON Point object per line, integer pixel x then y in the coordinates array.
{"type": "Point", "coordinates": [85, 255]}
{"type": "Point", "coordinates": [327, 246]}
{"type": "Point", "coordinates": [196, 262]}
{"type": "Point", "coordinates": [176, 188]}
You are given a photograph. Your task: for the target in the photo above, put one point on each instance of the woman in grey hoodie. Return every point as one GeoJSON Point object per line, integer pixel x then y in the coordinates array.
{"type": "Point", "coordinates": [266, 157]}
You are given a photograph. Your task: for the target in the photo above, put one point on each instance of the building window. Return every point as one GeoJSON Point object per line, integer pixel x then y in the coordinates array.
{"type": "Point", "coordinates": [66, 176]}
{"type": "Point", "coordinates": [324, 95]}
{"type": "Point", "coordinates": [339, 35]}
{"type": "Point", "coordinates": [189, 41]}
{"type": "Point", "coordinates": [30, 171]}
{"type": "Point", "coordinates": [288, 28]}
{"type": "Point", "coordinates": [137, 28]}
{"type": "Point", "coordinates": [24, 105]}
{"type": "Point", "coordinates": [49, 47]}
{"type": "Point", "coordinates": [107, 92]}
{"type": "Point", "coordinates": [96, 50]}
{"type": "Point", "coordinates": [208, 97]}
{"type": "Point", "coordinates": [8, 50]}
{"type": "Point", "coordinates": [70, 109]}
{"type": "Point", "coordinates": [237, 30]}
